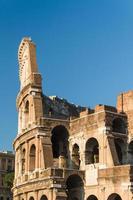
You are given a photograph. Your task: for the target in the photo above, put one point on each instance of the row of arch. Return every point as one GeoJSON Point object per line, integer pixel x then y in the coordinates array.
{"type": "Point", "coordinates": [42, 198]}
{"type": "Point", "coordinates": [32, 158]}
{"type": "Point", "coordinates": [60, 147]}
{"type": "Point", "coordinates": [75, 190]}
{"type": "Point", "coordinates": [113, 196]}
{"type": "Point", "coordinates": [60, 135]}
{"type": "Point", "coordinates": [91, 152]}
{"type": "Point", "coordinates": [118, 124]}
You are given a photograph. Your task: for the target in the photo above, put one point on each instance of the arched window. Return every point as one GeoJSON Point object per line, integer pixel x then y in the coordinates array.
{"type": "Point", "coordinates": [130, 152]}
{"type": "Point", "coordinates": [75, 156]}
{"type": "Point", "coordinates": [31, 198]}
{"type": "Point", "coordinates": [26, 112]}
{"type": "Point", "coordinates": [118, 126]}
{"type": "Point", "coordinates": [59, 141]}
{"type": "Point", "coordinates": [92, 151]}
{"type": "Point", "coordinates": [23, 161]}
{"type": "Point", "coordinates": [114, 196]}
{"type": "Point", "coordinates": [74, 188]}
{"type": "Point", "coordinates": [44, 198]}
{"type": "Point", "coordinates": [32, 158]}
{"type": "Point", "coordinates": [92, 197]}
{"type": "Point", "coordinates": [27, 107]}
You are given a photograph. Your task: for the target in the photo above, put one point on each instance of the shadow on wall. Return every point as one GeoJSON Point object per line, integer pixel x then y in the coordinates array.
{"type": "Point", "coordinates": [91, 151]}
{"type": "Point", "coordinates": [118, 126]}
{"type": "Point", "coordinates": [92, 197]}
{"type": "Point", "coordinates": [75, 188]}
{"type": "Point", "coordinates": [60, 146]}
{"type": "Point", "coordinates": [114, 196]}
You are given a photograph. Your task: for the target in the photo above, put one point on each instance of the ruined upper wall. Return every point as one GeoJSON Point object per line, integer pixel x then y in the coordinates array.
{"type": "Point", "coordinates": [27, 62]}
{"type": "Point", "coordinates": [60, 108]}
{"type": "Point", "coordinates": [125, 104]}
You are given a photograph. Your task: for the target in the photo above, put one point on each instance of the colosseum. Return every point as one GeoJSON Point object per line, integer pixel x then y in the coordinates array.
{"type": "Point", "coordinates": [69, 152]}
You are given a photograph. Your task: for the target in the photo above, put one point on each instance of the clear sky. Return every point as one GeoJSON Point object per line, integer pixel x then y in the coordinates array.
{"type": "Point", "coordinates": [84, 52]}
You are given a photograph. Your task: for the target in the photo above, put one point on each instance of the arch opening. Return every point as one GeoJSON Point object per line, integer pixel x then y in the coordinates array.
{"type": "Point", "coordinates": [31, 198]}
{"type": "Point", "coordinates": [23, 161]}
{"type": "Point", "coordinates": [74, 188]}
{"type": "Point", "coordinates": [59, 141]}
{"type": "Point", "coordinates": [44, 197]}
{"type": "Point", "coordinates": [92, 197]}
{"type": "Point", "coordinates": [92, 151]}
{"type": "Point", "coordinates": [26, 114]}
{"type": "Point", "coordinates": [32, 158]}
{"type": "Point", "coordinates": [114, 196]}
{"type": "Point", "coordinates": [75, 156]}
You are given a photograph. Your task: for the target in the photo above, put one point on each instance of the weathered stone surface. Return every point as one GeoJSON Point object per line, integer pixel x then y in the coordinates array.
{"type": "Point", "coordinates": [64, 151]}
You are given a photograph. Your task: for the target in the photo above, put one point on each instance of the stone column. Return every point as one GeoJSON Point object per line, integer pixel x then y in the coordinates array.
{"type": "Point", "coordinates": [25, 196]}
{"type": "Point", "coordinates": [26, 157]}
{"type": "Point", "coordinates": [40, 152]}
{"type": "Point", "coordinates": [19, 161]}
{"type": "Point", "coordinates": [36, 195]}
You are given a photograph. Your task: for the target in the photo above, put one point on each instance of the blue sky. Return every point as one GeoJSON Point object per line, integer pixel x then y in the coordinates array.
{"type": "Point", "coordinates": [84, 52]}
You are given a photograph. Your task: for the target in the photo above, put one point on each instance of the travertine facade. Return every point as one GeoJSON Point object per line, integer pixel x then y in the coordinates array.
{"type": "Point", "coordinates": [7, 159]}
{"type": "Point", "coordinates": [70, 152]}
